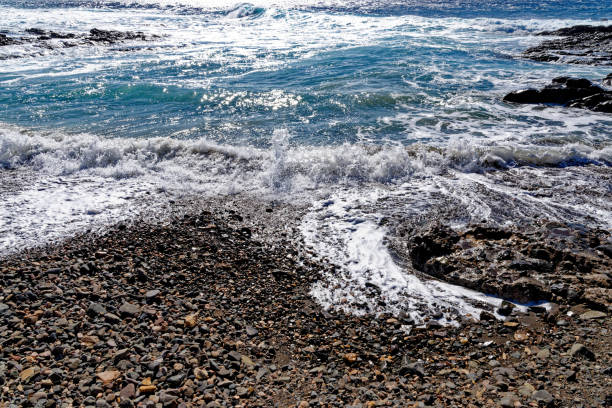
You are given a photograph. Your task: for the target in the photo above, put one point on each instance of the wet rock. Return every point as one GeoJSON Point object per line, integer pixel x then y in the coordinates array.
{"type": "Point", "coordinates": [566, 91]}
{"type": "Point", "coordinates": [581, 44]}
{"type": "Point", "coordinates": [505, 308]}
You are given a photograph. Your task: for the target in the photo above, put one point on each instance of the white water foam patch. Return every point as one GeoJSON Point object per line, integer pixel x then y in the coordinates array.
{"type": "Point", "coordinates": [348, 229]}
{"type": "Point", "coordinates": [55, 208]}
{"type": "Point", "coordinates": [367, 279]}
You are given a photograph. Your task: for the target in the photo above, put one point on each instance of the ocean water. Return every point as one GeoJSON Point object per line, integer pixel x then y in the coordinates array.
{"type": "Point", "coordinates": [361, 110]}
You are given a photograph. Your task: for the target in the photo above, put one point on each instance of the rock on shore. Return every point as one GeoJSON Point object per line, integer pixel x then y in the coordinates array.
{"type": "Point", "coordinates": [582, 44]}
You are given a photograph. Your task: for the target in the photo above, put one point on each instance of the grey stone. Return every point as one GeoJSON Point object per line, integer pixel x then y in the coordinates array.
{"type": "Point", "coordinates": [129, 309]}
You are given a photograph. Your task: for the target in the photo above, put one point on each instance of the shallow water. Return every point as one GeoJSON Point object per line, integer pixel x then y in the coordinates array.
{"type": "Point", "coordinates": [366, 109]}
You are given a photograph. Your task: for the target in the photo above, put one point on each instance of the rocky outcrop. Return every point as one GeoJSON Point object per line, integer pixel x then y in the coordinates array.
{"type": "Point", "coordinates": [48, 39]}
{"type": "Point", "coordinates": [4, 40]}
{"type": "Point", "coordinates": [548, 262]}
{"type": "Point", "coordinates": [566, 91]}
{"type": "Point", "coordinates": [581, 44]}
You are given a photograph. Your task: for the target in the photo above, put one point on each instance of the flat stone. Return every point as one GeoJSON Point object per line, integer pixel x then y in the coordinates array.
{"type": "Point", "coordinates": [109, 376]}
{"type": "Point", "coordinates": [28, 373]}
{"type": "Point", "coordinates": [152, 294]}
{"type": "Point", "coordinates": [4, 308]}
{"type": "Point", "coordinates": [234, 355]}
{"type": "Point", "coordinates": [543, 396]}
{"type": "Point", "coordinates": [526, 390]}
{"type": "Point", "coordinates": [593, 314]}
{"type": "Point", "coordinates": [96, 309]}
{"type": "Point", "coordinates": [127, 392]}
{"type": "Point", "coordinates": [129, 309]}
{"type": "Point", "coordinates": [251, 331]}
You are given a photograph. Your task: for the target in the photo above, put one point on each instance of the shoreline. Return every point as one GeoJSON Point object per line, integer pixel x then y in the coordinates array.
{"type": "Point", "coordinates": [212, 308]}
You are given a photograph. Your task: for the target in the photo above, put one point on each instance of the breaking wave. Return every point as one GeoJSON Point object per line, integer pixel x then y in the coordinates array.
{"type": "Point", "coordinates": [284, 167]}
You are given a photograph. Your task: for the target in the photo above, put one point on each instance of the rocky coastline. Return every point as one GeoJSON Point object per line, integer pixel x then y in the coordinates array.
{"type": "Point", "coordinates": [582, 44]}
{"type": "Point", "coordinates": [52, 40]}
{"type": "Point", "coordinates": [211, 308]}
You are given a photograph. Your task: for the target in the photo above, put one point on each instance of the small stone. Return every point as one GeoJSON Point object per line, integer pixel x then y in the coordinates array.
{"type": "Point", "coordinates": [350, 357]}
{"type": "Point", "coordinates": [96, 309]}
{"type": "Point", "coordinates": [176, 380]}
{"type": "Point", "coordinates": [303, 404]}
{"type": "Point", "coordinates": [593, 314]}
{"type": "Point", "coordinates": [37, 396]}
{"type": "Point", "coordinates": [580, 350]}
{"type": "Point", "coordinates": [4, 308]}
{"type": "Point", "coordinates": [28, 373]}
{"type": "Point", "coordinates": [127, 392]}
{"type": "Point", "coordinates": [543, 354]}
{"type": "Point", "coordinates": [166, 398]}
{"type": "Point", "coordinates": [521, 335]}
{"type": "Point", "coordinates": [247, 362]}
{"type": "Point", "coordinates": [147, 389]}
{"type": "Point", "coordinates": [200, 373]}
{"type": "Point", "coordinates": [543, 396]}
{"type": "Point", "coordinates": [526, 390]}
{"type": "Point", "coordinates": [234, 355]}
{"type": "Point", "coordinates": [415, 368]}
{"type": "Point", "coordinates": [508, 401]}
{"type": "Point", "coordinates": [152, 294]}
{"type": "Point", "coordinates": [121, 355]}
{"type": "Point", "coordinates": [129, 309]}
{"type": "Point", "coordinates": [191, 320]}
{"type": "Point", "coordinates": [506, 308]}
{"type": "Point", "coordinates": [109, 376]}
{"type": "Point", "coordinates": [251, 331]}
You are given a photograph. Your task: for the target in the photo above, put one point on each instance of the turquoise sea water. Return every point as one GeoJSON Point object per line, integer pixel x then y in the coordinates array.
{"type": "Point", "coordinates": [363, 110]}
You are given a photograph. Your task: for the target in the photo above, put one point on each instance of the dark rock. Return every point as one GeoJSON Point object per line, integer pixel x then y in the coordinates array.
{"type": "Point", "coordinates": [580, 350]}
{"type": "Point", "coordinates": [112, 36]}
{"type": "Point", "coordinates": [566, 91]}
{"type": "Point", "coordinates": [96, 309]}
{"type": "Point", "coordinates": [4, 40]}
{"type": "Point", "coordinates": [506, 308]}
{"type": "Point", "coordinates": [176, 380]}
{"type": "Point", "coordinates": [411, 368]}
{"type": "Point", "coordinates": [578, 45]}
